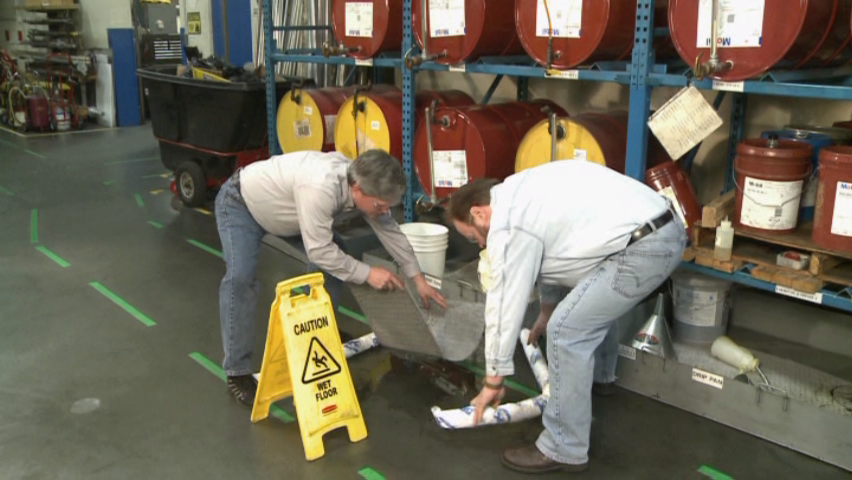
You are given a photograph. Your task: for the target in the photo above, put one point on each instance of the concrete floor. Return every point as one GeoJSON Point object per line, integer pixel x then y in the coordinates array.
{"type": "Point", "coordinates": [102, 209]}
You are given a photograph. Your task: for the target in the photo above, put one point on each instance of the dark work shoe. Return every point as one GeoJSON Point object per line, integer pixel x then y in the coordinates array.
{"type": "Point", "coordinates": [530, 460]}
{"type": "Point", "coordinates": [603, 389]}
{"type": "Point", "coordinates": [243, 388]}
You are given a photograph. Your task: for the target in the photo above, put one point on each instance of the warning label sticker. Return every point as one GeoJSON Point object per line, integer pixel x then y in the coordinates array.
{"type": "Point", "coordinates": [302, 128]}
{"type": "Point", "coordinates": [319, 364]}
{"type": "Point", "coordinates": [770, 205]}
{"type": "Point", "coordinates": [740, 23]}
{"type": "Point", "coordinates": [359, 19]}
{"type": "Point", "coordinates": [841, 221]}
{"type": "Point", "coordinates": [565, 18]}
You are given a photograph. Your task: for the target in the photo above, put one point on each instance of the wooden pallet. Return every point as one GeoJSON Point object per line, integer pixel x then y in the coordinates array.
{"type": "Point", "coordinates": [762, 251]}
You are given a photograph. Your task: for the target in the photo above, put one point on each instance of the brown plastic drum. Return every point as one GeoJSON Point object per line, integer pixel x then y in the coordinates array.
{"type": "Point", "coordinates": [795, 34]}
{"type": "Point", "coordinates": [387, 28]}
{"type": "Point", "coordinates": [489, 30]}
{"type": "Point", "coordinates": [847, 124]}
{"type": "Point", "coordinates": [767, 182]}
{"type": "Point", "coordinates": [489, 135]}
{"type": "Point", "coordinates": [833, 217]}
{"type": "Point", "coordinates": [671, 181]}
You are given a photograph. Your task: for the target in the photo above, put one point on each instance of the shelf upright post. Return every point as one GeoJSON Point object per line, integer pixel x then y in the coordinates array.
{"type": "Point", "coordinates": [640, 92]}
{"type": "Point", "coordinates": [738, 111]}
{"type": "Point", "coordinates": [408, 112]}
{"type": "Point", "coordinates": [271, 106]}
{"type": "Point", "coordinates": [523, 89]}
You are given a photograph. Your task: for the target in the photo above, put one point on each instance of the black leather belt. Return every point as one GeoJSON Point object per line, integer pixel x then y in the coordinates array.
{"type": "Point", "coordinates": [651, 227]}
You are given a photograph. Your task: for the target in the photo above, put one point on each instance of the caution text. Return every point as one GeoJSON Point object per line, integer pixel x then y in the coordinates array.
{"type": "Point", "coordinates": [310, 325]}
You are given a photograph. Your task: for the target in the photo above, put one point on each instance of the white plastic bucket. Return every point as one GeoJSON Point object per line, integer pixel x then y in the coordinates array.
{"type": "Point", "coordinates": [429, 241]}
{"type": "Point", "coordinates": [701, 307]}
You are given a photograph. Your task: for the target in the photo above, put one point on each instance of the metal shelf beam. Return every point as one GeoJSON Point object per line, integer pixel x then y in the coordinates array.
{"type": "Point", "coordinates": [279, 56]}
{"type": "Point", "coordinates": [780, 83]}
{"type": "Point", "coordinates": [835, 299]}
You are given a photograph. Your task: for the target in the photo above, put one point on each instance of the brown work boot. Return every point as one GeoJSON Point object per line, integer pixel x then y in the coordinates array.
{"type": "Point", "coordinates": [530, 460]}
{"type": "Point", "coordinates": [603, 389]}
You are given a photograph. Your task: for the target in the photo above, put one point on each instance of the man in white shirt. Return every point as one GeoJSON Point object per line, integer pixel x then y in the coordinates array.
{"type": "Point", "coordinates": [300, 194]}
{"type": "Point", "coordinates": [570, 224]}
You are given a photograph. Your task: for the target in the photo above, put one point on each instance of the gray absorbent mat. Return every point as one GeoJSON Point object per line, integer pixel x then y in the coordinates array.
{"type": "Point", "coordinates": [400, 322]}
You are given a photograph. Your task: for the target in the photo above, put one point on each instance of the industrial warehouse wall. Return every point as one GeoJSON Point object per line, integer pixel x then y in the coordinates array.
{"type": "Point", "coordinates": [9, 23]}
{"type": "Point", "coordinates": [98, 15]}
{"type": "Point", "coordinates": [204, 40]}
{"type": "Point", "coordinates": [764, 112]}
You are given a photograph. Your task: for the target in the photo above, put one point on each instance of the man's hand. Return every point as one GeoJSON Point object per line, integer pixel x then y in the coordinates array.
{"type": "Point", "coordinates": [382, 279]}
{"type": "Point", "coordinates": [427, 293]}
{"type": "Point", "coordinates": [488, 396]}
{"type": "Point", "coordinates": [538, 329]}
{"type": "Point", "coordinates": [540, 326]}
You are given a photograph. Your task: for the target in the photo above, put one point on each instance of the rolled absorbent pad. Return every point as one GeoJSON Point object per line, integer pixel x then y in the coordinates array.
{"type": "Point", "coordinates": [536, 359]}
{"type": "Point", "coordinates": [508, 412]}
{"type": "Point", "coordinates": [361, 344]}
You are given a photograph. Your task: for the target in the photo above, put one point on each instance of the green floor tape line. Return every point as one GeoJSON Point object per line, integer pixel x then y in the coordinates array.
{"type": "Point", "coordinates": [109, 182]}
{"type": "Point", "coordinates": [139, 200]}
{"type": "Point", "coordinates": [355, 315]}
{"type": "Point", "coordinates": [281, 414]}
{"type": "Point", "coordinates": [713, 473]}
{"type": "Point", "coordinates": [156, 224]}
{"type": "Point", "coordinates": [370, 474]}
{"type": "Point", "coordinates": [123, 304]}
{"type": "Point", "coordinates": [134, 160]}
{"type": "Point", "coordinates": [206, 248]}
{"type": "Point", "coordinates": [509, 383]}
{"type": "Point", "coordinates": [56, 258]}
{"type": "Point", "coordinates": [35, 154]}
{"type": "Point", "coordinates": [34, 226]}
{"type": "Point", "coordinates": [211, 367]}
{"type": "Point", "coordinates": [7, 191]}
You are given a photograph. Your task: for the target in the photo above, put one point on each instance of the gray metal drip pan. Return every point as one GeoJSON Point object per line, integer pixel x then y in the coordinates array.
{"type": "Point", "coordinates": [400, 322]}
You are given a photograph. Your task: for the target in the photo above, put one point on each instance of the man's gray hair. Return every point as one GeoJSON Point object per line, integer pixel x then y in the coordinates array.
{"type": "Point", "coordinates": [379, 175]}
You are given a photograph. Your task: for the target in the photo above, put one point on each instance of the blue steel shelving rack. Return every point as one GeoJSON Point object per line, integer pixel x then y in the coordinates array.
{"type": "Point", "coordinates": [642, 74]}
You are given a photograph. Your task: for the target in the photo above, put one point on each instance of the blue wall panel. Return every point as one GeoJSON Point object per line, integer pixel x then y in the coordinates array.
{"type": "Point", "coordinates": [122, 43]}
{"type": "Point", "coordinates": [239, 31]}
{"type": "Point", "coordinates": [218, 19]}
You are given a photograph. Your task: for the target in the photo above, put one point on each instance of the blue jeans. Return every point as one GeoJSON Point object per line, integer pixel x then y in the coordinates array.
{"type": "Point", "coordinates": [582, 334]}
{"type": "Point", "coordinates": [241, 238]}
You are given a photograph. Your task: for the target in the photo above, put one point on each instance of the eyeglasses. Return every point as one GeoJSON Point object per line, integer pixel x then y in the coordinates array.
{"type": "Point", "coordinates": [381, 207]}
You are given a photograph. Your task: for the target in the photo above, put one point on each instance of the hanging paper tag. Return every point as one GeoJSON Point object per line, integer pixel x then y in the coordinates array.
{"type": "Point", "coordinates": [684, 121]}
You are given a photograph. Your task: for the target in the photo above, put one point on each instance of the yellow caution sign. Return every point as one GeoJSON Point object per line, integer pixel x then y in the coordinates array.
{"type": "Point", "coordinates": [304, 359]}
